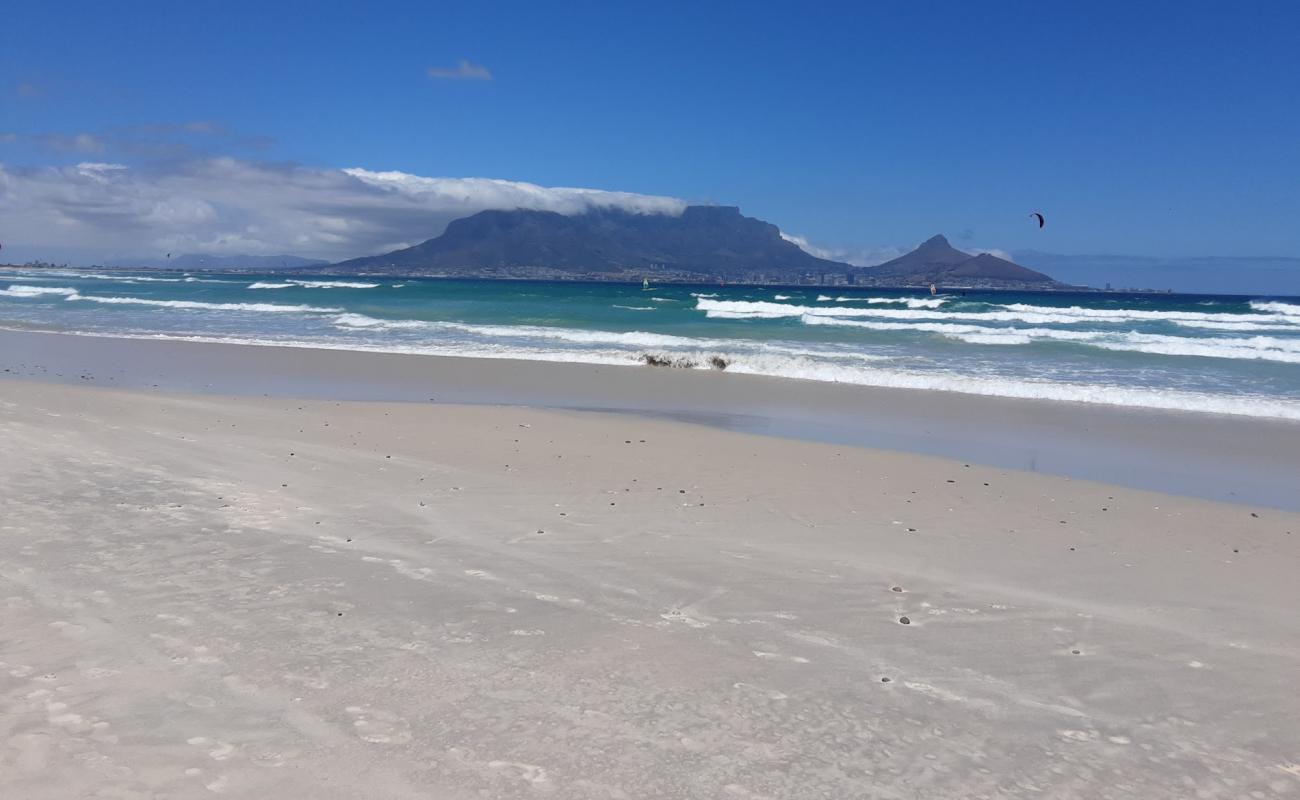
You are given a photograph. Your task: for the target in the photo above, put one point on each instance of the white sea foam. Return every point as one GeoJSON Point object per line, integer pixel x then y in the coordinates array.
{"type": "Point", "coordinates": [128, 278]}
{"type": "Point", "coordinates": [636, 339]}
{"type": "Point", "coordinates": [1276, 307]}
{"type": "Point", "coordinates": [1037, 315]}
{"type": "Point", "coordinates": [800, 367]}
{"type": "Point", "coordinates": [1134, 314]}
{"type": "Point", "coordinates": [121, 277]}
{"type": "Point", "coordinates": [780, 297]}
{"type": "Point", "coordinates": [634, 342]}
{"type": "Point", "coordinates": [699, 294]}
{"type": "Point", "coordinates": [821, 298]}
{"type": "Point", "coordinates": [290, 283]}
{"type": "Point", "coordinates": [637, 308]}
{"type": "Point", "coordinates": [910, 302]}
{"type": "Point", "coordinates": [138, 278]}
{"type": "Point", "coordinates": [200, 306]}
{"type": "Point", "coordinates": [334, 284]}
{"type": "Point", "coordinates": [1254, 348]}
{"type": "Point", "coordinates": [363, 321]}
{"type": "Point", "coordinates": [21, 290]}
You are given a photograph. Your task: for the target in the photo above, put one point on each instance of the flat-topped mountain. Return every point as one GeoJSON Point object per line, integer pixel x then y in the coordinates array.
{"type": "Point", "coordinates": [702, 242]}
{"type": "Point", "coordinates": [937, 261]}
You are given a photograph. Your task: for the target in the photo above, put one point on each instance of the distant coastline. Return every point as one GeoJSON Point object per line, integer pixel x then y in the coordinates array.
{"type": "Point", "coordinates": [545, 274]}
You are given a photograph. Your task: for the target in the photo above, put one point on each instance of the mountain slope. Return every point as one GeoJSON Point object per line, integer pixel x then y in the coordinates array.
{"type": "Point", "coordinates": [704, 241]}
{"type": "Point", "coordinates": [937, 261]}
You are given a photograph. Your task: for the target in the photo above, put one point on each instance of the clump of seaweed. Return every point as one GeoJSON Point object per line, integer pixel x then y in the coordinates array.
{"type": "Point", "coordinates": [654, 360]}
{"type": "Point", "coordinates": [682, 362]}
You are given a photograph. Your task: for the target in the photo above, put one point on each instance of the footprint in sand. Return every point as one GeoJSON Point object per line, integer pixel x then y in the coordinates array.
{"type": "Point", "coordinates": [217, 750]}
{"type": "Point", "coordinates": [196, 700]}
{"type": "Point", "coordinates": [678, 615]}
{"type": "Point", "coordinates": [769, 656]}
{"type": "Point", "coordinates": [272, 758]}
{"type": "Point", "coordinates": [380, 727]}
{"type": "Point", "coordinates": [529, 772]}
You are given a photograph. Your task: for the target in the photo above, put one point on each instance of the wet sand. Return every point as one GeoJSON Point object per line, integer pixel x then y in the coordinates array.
{"type": "Point", "coordinates": [270, 597]}
{"type": "Point", "coordinates": [1218, 457]}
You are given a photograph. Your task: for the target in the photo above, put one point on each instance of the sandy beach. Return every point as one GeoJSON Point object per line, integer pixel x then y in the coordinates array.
{"type": "Point", "coordinates": [277, 597]}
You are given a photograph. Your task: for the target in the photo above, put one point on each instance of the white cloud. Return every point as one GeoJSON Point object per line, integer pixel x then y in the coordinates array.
{"type": "Point", "coordinates": [857, 256]}
{"type": "Point", "coordinates": [993, 251]}
{"type": "Point", "coordinates": [96, 211]}
{"type": "Point", "coordinates": [463, 71]}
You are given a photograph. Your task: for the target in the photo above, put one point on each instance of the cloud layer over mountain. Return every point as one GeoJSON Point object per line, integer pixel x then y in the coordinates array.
{"type": "Point", "coordinates": [225, 205]}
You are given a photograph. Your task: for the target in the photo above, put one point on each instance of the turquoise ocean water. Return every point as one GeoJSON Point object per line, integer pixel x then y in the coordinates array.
{"type": "Point", "coordinates": [1223, 354]}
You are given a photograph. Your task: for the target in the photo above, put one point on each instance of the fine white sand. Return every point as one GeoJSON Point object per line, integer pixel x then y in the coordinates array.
{"type": "Point", "coordinates": [272, 598]}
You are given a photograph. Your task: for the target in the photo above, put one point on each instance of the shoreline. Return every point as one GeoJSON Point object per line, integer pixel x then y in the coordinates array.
{"type": "Point", "coordinates": [1213, 456]}
{"type": "Point", "coordinates": [273, 597]}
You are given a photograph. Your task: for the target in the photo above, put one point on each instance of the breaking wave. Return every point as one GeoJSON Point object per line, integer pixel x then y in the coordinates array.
{"type": "Point", "coordinates": [797, 365]}
{"type": "Point", "coordinates": [1255, 347]}
{"type": "Point", "coordinates": [201, 306]}
{"type": "Point", "coordinates": [289, 284]}
{"type": "Point", "coordinates": [910, 302]}
{"type": "Point", "coordinates": [20, 290]}
{"type": "Point", "coordinates": [1015, 312]}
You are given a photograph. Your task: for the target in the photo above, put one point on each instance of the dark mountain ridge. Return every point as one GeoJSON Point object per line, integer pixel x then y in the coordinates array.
{"type": "Point", "coordinates": [936, 261]}
{"type": "Point", "coordinates": [701, 242]}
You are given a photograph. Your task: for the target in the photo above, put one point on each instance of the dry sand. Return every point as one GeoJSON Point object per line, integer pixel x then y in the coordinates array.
{"type": "Point", "coordinates": [272, 598]}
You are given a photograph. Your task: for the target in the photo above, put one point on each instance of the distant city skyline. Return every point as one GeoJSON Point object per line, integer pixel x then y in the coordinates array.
{"type": "Point", "coordinates": [1162, 132]}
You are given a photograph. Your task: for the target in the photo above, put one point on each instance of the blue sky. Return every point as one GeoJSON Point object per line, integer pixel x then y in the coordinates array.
{"type": "Point", "coordinates": [1137, 128]}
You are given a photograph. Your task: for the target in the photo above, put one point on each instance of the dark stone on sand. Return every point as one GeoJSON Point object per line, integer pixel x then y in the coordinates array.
{"type": "Point", "coordinates": [904, 621]}
{"type": "Point", "coordinates": [886, 680]}
{"type": "Point", "coordinates": [896, 588]}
